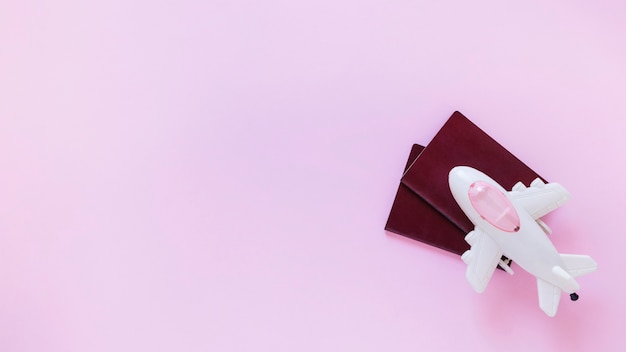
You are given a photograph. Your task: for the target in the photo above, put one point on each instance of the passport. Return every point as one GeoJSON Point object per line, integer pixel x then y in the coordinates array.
{"type": "Point", "coordinates": [424, 208]}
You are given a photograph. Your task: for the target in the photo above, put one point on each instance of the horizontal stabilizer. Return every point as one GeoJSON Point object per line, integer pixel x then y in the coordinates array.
{"type": "Point", "coordinates": [578, 265]}
{"type": "Point", "coordinates": [549, 297]}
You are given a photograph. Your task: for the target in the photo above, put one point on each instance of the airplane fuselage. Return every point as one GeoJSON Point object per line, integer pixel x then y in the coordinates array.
{"type": "Point", "coordinates": [525, 242]}
{"type": "Point", "coordinates": [531, 249]}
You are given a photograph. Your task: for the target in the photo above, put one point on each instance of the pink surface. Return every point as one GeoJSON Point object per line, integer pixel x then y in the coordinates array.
{"type": "Point", "coordinates": [216, 175]}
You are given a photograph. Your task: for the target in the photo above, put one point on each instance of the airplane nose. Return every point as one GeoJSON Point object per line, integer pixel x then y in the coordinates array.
{"type": "Point", "coordinates": [458, 173]}
{"type": "Point", "coordinates": [453, 174]}
{"type": "Point", "coordinates": [459, 181]}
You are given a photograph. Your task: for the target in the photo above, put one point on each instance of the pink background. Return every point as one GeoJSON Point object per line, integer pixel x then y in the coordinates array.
{"type": "Point", "coordinates": [216, 175]}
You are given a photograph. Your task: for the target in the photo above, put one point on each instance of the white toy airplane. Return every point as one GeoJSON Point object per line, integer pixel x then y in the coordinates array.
{"type": "Point", "coordinates": [509, 224]}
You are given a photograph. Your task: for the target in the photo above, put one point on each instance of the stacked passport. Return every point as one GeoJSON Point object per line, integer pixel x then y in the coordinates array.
{"type": "Point", "coordinates": [424, 208]}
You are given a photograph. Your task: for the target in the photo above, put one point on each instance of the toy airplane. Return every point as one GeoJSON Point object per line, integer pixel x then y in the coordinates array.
{"type": "Point", "coordinates": [509, 224]}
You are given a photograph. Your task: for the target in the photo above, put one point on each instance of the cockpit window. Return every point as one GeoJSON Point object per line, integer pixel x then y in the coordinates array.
{"type": "Point", "coordinates": [493, 206]}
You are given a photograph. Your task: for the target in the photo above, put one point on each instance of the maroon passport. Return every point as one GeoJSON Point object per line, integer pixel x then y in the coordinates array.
{"type": "Point", "coordinates": [424, 208]}
{"type": "Point", "coordinates": [413, 217]}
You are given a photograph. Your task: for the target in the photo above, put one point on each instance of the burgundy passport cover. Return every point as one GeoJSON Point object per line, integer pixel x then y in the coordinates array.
{"type": "Point", "coordinates": [413, 217]}
{"type": "Point", "coordinates": [424, 208]}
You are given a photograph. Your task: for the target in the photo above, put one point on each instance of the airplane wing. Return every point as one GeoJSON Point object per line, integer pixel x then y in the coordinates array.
{"type": "Point", "coordinates": [549, 297]}
{"type": "Point", "coordinates": [481, 259]}
{"type": "Point", "coordinates": [539, 199]}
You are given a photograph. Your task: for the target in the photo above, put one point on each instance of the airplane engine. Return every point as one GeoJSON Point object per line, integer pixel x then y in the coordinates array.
{"type": "Point", "coordinates": [519, 187]}
{"type": "Point", "coordinates": [467, 256]}
{"type": "Point", "coordinates": [471, 238]}
{"type": "Point", "coordinates": [537, 183]}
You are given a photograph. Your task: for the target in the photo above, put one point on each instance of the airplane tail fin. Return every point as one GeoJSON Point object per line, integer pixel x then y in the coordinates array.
{"type": "Point", "coordinates": [578, 265]}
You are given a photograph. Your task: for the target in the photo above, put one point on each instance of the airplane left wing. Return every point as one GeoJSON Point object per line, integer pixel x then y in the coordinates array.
{"type": "Point", "coordinates": [539, 199]}
{"type": "Point", "coordinates": [481, 259]}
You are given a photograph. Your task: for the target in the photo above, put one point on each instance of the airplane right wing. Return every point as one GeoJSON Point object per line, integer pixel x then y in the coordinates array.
{"type": "Point", "coordinates": [539, 199]}
{"type": "Point", "coordinates": [481, 259]}
{"type": "Point", "coordinates": [549, 297]}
